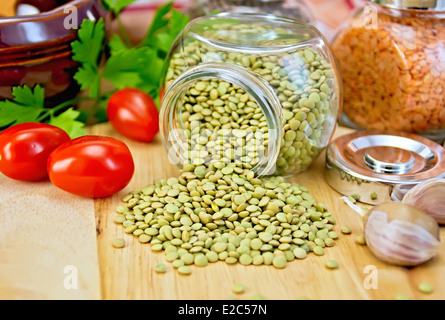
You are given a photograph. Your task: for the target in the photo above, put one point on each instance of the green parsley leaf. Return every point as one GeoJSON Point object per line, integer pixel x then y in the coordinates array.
{"type": "Point", "coordinates": [178, 22]}
{"type": "Point", "coordinates": [141, 66]}
{"type": "Point", "coordinates": [28, 97]}
{"type": "Point", "coordinates": [67, 121]}
{"type": "Point", "coordinates": [166, 24]}
{"type": "Point", "coordinates": [117, 5]}
{"type": "Point", "coordinates": [124, 67]}
{"type": "Point", "coordinates": [116, 44]}
{"type": "Point", "coordinates": [88, 78]}
{"type": "Point", "coordinates": [27, 106]}
{"type": "Point", "coordinates": [88, 50]}
{"type": "Point", "coordinates": [159, 20]}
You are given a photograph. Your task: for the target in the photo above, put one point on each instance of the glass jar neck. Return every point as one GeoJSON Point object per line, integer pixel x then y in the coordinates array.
{"type": "Point", "coordinates": [172, 131]}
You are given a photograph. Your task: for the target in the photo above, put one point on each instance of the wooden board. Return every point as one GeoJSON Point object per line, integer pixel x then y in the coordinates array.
{"type": "Point", "coordinates": [45, 232]}
{"type": "Point", "coordinates": [48, 247]}
{"type": "Point", "coordinates": [128, 273]}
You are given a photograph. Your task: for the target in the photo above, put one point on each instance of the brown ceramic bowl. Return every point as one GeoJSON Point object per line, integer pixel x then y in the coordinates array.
{"type": "Point", "coordinates": [36, 49]}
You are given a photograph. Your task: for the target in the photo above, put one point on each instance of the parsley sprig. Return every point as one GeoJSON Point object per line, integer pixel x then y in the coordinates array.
{"type": "Point", "coordinates": [128, 65]}
{"type": "Point", "coordinates": [28, 106]}
{"type": "Point", "coordinates": [139, 66]}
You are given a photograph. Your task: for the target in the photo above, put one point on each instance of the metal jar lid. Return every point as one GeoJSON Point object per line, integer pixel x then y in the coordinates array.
{"type": "Point", "coordinates": [436, 5]}
{"type": "Point", "coordinates": [382, 165]}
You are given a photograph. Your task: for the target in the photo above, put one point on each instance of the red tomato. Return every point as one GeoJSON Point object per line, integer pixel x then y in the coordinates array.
{"type": "Point", "coordinates": [91, 166]}
{"type": "Point", "coordinates": [25, 148]}
{"type": "Point", "coordinates": [134, 114]}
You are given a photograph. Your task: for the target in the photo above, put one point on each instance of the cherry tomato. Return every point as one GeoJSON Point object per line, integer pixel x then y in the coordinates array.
{"type": "Point", "coordinates": [91, 166]}
{"type": "Point", "coordinates": [25, 148]}
{"type": "Point", "coordinates": [134, 114]}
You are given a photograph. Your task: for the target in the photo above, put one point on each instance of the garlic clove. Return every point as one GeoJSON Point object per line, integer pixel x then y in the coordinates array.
{"type": "Point", "coordinates": [429, 197]}
{"type": "Point", "coordinates": [400, 234]}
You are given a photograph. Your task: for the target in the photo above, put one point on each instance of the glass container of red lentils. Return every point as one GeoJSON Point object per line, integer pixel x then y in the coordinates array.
{"type": "Point", "coordinates": [392, 61]}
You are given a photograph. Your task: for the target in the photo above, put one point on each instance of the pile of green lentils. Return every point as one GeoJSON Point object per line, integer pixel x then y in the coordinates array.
{"type": "Point", "coordinates": [222, 212]}
{"type": "Point", "coordinates": [218, 209]}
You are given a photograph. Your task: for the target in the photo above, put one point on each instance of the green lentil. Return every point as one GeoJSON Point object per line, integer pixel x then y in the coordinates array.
{"type": "Point", "coordinates": [426, 287]}
{"type": "Point", "coordinates": [257, 296]}
{"type": "Point", "coordinates": [228, 221]}
{"type": "Point", "coordinates": [201, 260]}
{"type": "Point", "coordinates": [300, 253]}
{"type": "Point", "coordinates": [373, 195]}
{"type": "Point", "coordinates": [352, 199]}
{"type": "Point", "coordinates": [268, 257]}
{"type": "Point", "coordinates": [331, 264]}
{"type": "Point", "coordinates": [238, 288]}
{"type": "Point", "coordinates": [245, 259]}
{"type": "Point", "coordinates": [188, 258]}
{"type": "Point", "coordinates": [178, 263]}
{"type": "Point", "coordinates": [319, 251]}
{"type": "Point", "coordinates": [184, 270]}
{"type": "Point", "coordinates": [361, 239]}
{"type": "Point", "coordinates": [356, 196]}
{"type": "Point", "coordinates": [119, 219]}
{"type": "Point", "coordinates": [171, 256]}
{"type": "Point", "coordinates": [144, 238]}
{"type": "Point", "coordinates": [279, 262]}
{"type": "Point", "coordinates": [161, 268]}
{"type": "Point", "coordinates": [118, 243]}
{"type": "Point", "coordinates": [212, 256]}
{"type": "Point", "coordinates": [345, 230]}
{"type": "Point", "coordinates": [122, 209]}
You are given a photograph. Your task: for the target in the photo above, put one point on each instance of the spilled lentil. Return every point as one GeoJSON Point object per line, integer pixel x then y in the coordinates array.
{"type": "Point", "coordinates": [233, 217]}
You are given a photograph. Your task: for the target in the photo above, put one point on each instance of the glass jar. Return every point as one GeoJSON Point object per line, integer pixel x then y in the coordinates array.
{"type": "Point", "coordinates": [294, 9]}
{"type": "Point", "coordinates": [392, 61]}
{"type": "Point", "coordinates": [257, 90]}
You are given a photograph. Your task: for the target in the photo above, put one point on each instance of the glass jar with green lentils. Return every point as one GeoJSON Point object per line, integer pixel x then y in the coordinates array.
{"type": "Point", "coordinates": [259, 91]}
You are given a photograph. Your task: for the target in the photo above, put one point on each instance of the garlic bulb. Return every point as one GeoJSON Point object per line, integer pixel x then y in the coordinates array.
{"type": "Point", "coordinates": [400, 234]}
{"type": "Point", "coordinates": [429, 197]}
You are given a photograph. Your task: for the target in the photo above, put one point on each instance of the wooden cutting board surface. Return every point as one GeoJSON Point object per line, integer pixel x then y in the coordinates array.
{"type": "Point", "coordinates": [43, 230]}
{"type": "Point", "coordinates": [128, 273]}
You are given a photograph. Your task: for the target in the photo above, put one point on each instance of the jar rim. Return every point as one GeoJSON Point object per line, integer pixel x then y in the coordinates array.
{"type": "Point", "coordinates": [251, 83]}
{"type": "Point", "coordinates": [415, 5]}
